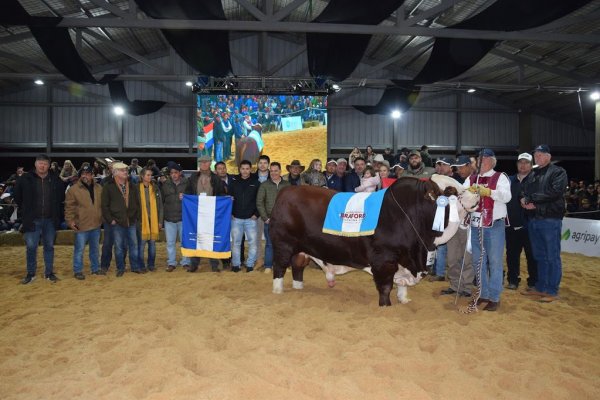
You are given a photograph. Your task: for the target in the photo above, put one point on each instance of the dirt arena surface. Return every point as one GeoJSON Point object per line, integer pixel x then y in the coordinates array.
{"type": "Point", "coordinates": [226, 336]}
{"type": "Point", "coordinates": [303, 145]}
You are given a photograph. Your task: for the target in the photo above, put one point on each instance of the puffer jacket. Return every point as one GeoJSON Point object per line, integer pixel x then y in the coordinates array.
{"type": "Point", "coordinates": [545, 189]}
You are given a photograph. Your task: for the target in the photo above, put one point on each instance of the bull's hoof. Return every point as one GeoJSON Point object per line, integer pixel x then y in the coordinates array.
{"type": "Point", "coordinates": [278, 285]}
{"type": "Point", "coordinates": [331, 283]}
{"type": "Point", "coordinates": [404, 301]}
{"type": "Point", "coordinates": [298, 285]}
{"type": "Point", "coordinates": [383, 303]}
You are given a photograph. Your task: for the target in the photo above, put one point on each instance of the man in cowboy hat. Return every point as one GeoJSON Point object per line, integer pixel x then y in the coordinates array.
{"type": "Point", "coordinates": [294, 169]}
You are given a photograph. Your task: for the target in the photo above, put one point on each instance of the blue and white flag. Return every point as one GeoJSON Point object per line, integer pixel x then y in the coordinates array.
{"type": "Point", "coordinates": [353, 214]}
{"type": "Point", "coordinates": [206, 226]}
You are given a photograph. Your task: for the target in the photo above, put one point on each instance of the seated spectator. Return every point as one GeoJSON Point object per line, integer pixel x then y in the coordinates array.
{"type": "Point", "coordinates": [353, 156]}
{"type": "Point", "coordinates": [313, 175]}
{"type": "Point", "coordinates": [68, 174]}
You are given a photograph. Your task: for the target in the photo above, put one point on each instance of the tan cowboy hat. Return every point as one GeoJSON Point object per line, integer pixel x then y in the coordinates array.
{"type": "Point", "coordinates": [295, 163]}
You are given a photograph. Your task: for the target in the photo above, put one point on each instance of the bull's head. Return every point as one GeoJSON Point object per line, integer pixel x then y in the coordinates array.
{"type": "Point", "coordinates": [467, 202]}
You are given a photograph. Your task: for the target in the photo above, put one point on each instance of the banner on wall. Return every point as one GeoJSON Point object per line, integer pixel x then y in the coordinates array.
{"type": "Point", "coordinates": [291, 124]}
{"type": "Point", "coordinates": [581, 236]}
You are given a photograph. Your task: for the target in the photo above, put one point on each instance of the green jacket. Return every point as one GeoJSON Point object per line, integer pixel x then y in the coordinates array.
{"type": "Point", "coordinates": [113, 204]}
{"type": "Point", "coordinates": [265, 198]}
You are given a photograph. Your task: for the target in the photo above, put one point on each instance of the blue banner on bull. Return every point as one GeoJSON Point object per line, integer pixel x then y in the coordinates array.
{"type": "Point", "coordinates": [353, 214]}
{"type": "Point", "coordinates": [206, 226]}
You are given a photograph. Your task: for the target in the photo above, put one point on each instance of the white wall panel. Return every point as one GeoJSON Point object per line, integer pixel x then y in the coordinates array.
{"type": "Point", "coordinates": [489, 129]}
{"type": "Point", "coordinates": [23, 125]}
{"type": "Point", "coordinates": [426, 127]}
{"type": "Point", "coordinates": [36, 93]}
{"type": "Point", "coordinates": [559, 134]}
{"type": "Point", "coordinates": [84, 127]}
{"type": "Point", "coordinates": [168, 127]}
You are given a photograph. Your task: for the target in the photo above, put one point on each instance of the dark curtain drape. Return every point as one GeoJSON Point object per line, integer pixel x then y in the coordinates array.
{"type": "Point", "coordinates": [452, 57]}
{"type": "Point", "coordinates": [400, 97]}
{"type": "Point", "coordinates": [58, 47]}
{"type": "Point", "coordinates": [118, 96]}
{"type": "Point", "coordinates": [205, 51]}
{"type": "Point", "coordinates": [334, 56]}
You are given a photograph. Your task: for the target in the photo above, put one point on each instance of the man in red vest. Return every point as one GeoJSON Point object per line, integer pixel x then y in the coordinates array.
{"type": "Point", "coordinates": [487, 226]}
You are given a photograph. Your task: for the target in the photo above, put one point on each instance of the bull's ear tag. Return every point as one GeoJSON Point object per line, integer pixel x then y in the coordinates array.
{"type": "Point", "coordinates": [440, 212]}
{"type": "Point", "coordinates": [430, 258]}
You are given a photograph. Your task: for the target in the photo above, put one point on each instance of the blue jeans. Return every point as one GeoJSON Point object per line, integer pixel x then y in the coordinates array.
{"type": "Point", "coordinates": [172, 229]}
{"type": "Point", "coordinates": [126, 236]}
{"type": "Point", "coordinates": [107, 246]}
{"type": "Point", "coordinates": [440, 260]}
{"type": "Point", "coordinates": [268, 248]}
{"type": "Point", "coordinates": [44, 228]}
{"type": "Point", "coordinates": [239, 227]}
{"type": "Point", "coordinates": [544, 235]}
{"type": "Point", "coordinates": [81, 238]}
{"type": "Point", "coordinates": [141, 250]}
{"type": "Point", "coordinates": [491, 268]}
{"type": "Point", "coordinates": [219, 151]}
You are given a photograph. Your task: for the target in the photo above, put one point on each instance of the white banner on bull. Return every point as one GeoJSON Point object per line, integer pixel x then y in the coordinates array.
{"type": "Point", "coordinates": [291, 123]}
{"type": "Point", "coordinates": [581, 236]}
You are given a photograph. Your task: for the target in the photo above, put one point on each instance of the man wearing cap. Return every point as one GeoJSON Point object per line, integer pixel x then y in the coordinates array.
{"type": "Point", "coordinates": [517, 234]}
{"type": "Point", "coordinates": [340, 169]}
{"type": "Point", "coordinates": [460, 264]}
{"type": "Point", "coordinates": [463, 168]}
{"type": "Point", "coordinates": [416, 167]}
{"type": "Point", "coordinates": [487, 225]}
{"type": "Point", "coordinates": [83, 214]}
{"type": "Point", "coordinates": [352, 179]}
{"type": "Point", "coordinates": [545, 207]}
{"type": "Point", "coordinates": [398, 170]}
{"type": "Point", "coordinates": [121, 209]}
{"type": "Point", "coordinates": [204, 183]}
{"type": "Point", "coordinates": [172, 194]}
{"type": "Point", "coordinates": [40, 195]}
{"type": "Point", "coordinates": [388, 155]}
{"type": "Point", "coordinates": [443, 166]}
{"type": "Point", "coordinates": [333, 181]}
{"type": "Point", "coordinates": [294, 170]}
{"type": "Point", "coordinates": [377, 160]}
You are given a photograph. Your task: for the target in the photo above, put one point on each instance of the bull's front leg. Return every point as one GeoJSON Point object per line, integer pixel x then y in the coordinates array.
{"type": "Point", "coordinates": [384, 281]}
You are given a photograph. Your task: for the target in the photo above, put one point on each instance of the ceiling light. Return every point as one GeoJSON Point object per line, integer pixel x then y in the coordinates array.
{"type": "Point", "coordinates": [472, 90]}
{"type": "Point", "coordinates": [396, 114]}
{"type": "Point", "coordinates": [119, 110]}
{"type": "Point", "coordinates": [189, 84]}
{"type": "Point", "coordinates": [336, 87]}
{"type": "Point", "coordinates": [38, 82]}
{"type": "Point", "coordinates": [595, 95]}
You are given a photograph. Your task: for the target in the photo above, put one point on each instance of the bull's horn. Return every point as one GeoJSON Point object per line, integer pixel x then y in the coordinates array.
{"type": "Point", "coordinates": [448, 233]}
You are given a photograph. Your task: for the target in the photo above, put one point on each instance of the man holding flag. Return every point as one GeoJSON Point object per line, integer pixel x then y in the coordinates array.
{"type": "Point", "coordinates": [203, 183]}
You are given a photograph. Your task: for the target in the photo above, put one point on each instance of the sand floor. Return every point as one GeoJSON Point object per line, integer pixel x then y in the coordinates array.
{"type": "Point", "coordinates": [226, 336]}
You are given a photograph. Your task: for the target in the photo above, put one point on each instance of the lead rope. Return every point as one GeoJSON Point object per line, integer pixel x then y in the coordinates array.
{"type": "Point", "coordinates": [472, 306]}
{"type": "Point", "coordinates": [409, 221]}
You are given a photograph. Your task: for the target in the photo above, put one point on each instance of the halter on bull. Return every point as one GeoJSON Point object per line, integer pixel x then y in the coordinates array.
{"type": "Point", "coordinates": [396, 252]}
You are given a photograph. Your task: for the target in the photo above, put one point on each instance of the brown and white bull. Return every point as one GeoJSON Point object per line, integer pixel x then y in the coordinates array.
{"type": "Point", "coordinates": [396, 253]}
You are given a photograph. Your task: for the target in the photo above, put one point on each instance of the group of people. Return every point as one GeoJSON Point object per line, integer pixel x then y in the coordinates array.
{"type": "Point", "coordinates": [582, 199]}
{"type": "Point", "coordinates": [132, 205]}
{"type": "Point", "coordinates": [516, 213]}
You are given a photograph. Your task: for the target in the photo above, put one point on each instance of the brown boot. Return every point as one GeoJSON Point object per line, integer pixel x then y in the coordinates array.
{"type": "Point", "coordinates": [492, 306]}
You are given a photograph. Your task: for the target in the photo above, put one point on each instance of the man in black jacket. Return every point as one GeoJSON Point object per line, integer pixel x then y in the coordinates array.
{"type": "Point", "coordinates": [40, 195]}
{"type": "Point", "coordinates": [204, 183]}
{"type": "Point", "coordinates": [352, 179]}
{"type": "Point", "coordinates": [545, 205]}
{"type": "Point", "coordinates": [245, 214]}
{"type": "Point", "coordinates": [517, 234]}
